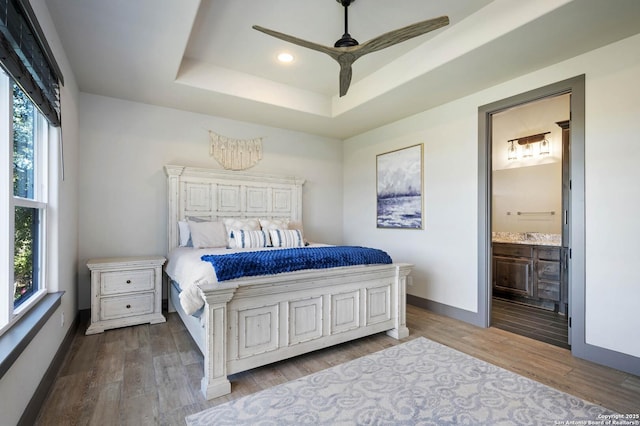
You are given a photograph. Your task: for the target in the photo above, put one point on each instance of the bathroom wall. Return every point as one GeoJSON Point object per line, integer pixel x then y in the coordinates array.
{"type": "Point", "coordinates": [527, 192]}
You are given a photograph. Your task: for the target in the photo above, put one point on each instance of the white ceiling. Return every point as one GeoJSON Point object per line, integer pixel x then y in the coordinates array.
{"type": "Point", "coordinates": [203, 56]}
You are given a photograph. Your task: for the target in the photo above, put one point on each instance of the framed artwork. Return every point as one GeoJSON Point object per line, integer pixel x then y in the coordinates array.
{"type": "Point", "coordinates": [399, 188]}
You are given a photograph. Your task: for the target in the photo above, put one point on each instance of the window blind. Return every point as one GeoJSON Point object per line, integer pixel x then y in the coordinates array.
{"type": "Point", "coordinates": [26, 57]}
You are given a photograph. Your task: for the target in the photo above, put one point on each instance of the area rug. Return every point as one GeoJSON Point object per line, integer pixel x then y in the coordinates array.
{"type": "Point", "coordinates": [419, 382]}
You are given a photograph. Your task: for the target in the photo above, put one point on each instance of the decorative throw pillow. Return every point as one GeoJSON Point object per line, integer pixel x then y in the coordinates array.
{"type": "Point", "coordinates": [237, 223]}
{"type": "Point", "coordinates": [249, 239]}
{"type": "Point", "coordinates": [208, 234]}
{"type": "Point", "coordinates": [269, 224]}
{"type": "Point", "coordinates": [286, 238]}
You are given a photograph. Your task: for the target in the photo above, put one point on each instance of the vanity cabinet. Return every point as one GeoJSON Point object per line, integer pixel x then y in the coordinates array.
{"type": "Point", "coordinates": [530, 273]}
{"type": "Point", "coordinates": [512, 269]}
{"type": "Point", "coordinates": [547, 273]}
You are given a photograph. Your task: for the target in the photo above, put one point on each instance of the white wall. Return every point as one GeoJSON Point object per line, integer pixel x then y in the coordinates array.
{"type": "Point", "coordinates": [20, 382]}
{"type": "Point", "coordinates": [445, 252]}
{"type": "Point", "coordinates": [536, 191]}
{"type": "Point", "coordinates": [613, 197]}
{"type": "Point", "coordinates": [122, 193]}
{"type": "Point", "coordinates": [441, 251]}
{"type": "Point", "coordinates": [528, 184]}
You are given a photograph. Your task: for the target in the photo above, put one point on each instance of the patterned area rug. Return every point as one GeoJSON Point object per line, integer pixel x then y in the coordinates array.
{"type": "Point", "coordinates": [419, 382]}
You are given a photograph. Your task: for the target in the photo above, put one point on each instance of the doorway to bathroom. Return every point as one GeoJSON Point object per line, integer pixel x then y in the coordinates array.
{"type": "Point", "coordinates": [531, 213]}
{"type": "Point", "coordinates": [529, 204]}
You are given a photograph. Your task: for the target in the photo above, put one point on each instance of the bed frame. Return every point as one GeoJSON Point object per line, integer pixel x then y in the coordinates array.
{"type": "Point", "coordinates": [250, 322]}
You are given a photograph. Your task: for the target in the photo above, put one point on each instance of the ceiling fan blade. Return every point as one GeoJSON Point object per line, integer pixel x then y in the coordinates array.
{"type": "Point", "coordinates": [402, 34]}
{"type": "Point", "coordinates": [345, 59]}
{"type": "Point", "coordinates": [331, 51]}
{"type": "Point", "coordinates": [346, 72]}
{"type": "Point", "coordinates": [346, 56]}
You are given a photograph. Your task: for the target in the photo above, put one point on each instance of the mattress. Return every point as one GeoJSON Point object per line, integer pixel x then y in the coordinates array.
{"type": "Point", "coordinates": [185, 267]}
{"type": "Point", "coordinates": [191, 268]}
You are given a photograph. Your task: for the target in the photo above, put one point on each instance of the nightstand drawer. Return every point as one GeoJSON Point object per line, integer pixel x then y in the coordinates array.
{"type": "Point", "coordinates": [119, 282]}
{"type": "Point", "coordinates": [125, 306]}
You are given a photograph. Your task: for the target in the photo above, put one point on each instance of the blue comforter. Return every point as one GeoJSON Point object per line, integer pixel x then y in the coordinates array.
{"type": "Point", "coordinates": [268, 262]}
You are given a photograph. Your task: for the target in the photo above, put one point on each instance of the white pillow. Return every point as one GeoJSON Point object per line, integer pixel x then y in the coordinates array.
{"type": "Point", "coordinates": [246, 224]}
{"type": "Point", "coordinates": [184, 232]}
{"type": "Point", "coordinates": [268, 224]}
{"type": "Point", "coordinates": [250, 239]}
{"type": "Point", "coordinates": [236, 223]}
{"type": "Point", "coordinates": [208, 234]}
{"type": "Point", "coordinates": [286, 238]}
{"type": "Point", "coordinates": [296, 225]}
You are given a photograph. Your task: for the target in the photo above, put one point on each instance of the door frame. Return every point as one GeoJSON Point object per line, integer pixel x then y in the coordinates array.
{"type": "Point", "coordinates": [576, 238]}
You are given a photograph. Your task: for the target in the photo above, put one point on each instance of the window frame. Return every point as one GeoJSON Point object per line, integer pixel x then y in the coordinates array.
{"type": "Point", "coordinates": [10, 314]}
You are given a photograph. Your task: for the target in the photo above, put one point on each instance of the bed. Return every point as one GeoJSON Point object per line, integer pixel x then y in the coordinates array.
{"type": "Point", "coordinates": [251, 321]}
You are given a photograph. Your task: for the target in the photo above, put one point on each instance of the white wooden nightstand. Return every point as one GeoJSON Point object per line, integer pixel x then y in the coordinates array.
{"type": "Point", "coordinates": [125, 291]}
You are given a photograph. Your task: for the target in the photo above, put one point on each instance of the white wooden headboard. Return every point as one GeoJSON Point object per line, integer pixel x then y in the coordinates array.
{"type": "Point", "coordinates": [214, 194]}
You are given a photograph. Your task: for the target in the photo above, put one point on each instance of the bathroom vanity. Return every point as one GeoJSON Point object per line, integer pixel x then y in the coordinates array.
{"type": "Point", "coordinates": [528, 268]}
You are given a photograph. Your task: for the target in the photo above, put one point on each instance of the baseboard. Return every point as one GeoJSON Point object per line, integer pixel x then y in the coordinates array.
{"type": "Point", "coordinates": [32, 410]}
{"type": "Point", "coordinates": [446, 310]}
{"type": "Point", "coordinates": [610, 358]}
{"type": "Point", "coordinates": [619, 361]}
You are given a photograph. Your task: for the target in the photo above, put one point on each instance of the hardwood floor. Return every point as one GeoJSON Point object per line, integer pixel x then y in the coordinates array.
{"type": "Point", "coordinates": [150, 374]}
{"type": "Point", "coordinates": [530, 321]}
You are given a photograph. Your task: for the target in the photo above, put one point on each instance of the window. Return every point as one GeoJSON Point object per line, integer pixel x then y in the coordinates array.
{"type": "Point", "coordinates": [24, 139]}
{"type": "Point", "coordinates": [30, 82]}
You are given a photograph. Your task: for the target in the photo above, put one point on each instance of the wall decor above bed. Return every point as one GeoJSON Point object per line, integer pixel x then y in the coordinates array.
{"type": "Point", "coordinates": [235, 154]}
{"type": "Point", "coordinates": [399, 188]}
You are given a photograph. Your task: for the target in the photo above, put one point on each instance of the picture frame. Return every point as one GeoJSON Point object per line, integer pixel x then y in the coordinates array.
{"type": "Point", "coordinates": [399, 188]}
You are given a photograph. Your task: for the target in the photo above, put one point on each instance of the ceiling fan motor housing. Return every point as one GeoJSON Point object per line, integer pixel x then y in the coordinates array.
{"type": "Point", "coordinates": [346, 41]}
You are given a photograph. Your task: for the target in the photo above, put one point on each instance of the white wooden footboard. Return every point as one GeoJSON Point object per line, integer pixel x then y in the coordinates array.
{"type": "Point", "coordinates": [260, 320]}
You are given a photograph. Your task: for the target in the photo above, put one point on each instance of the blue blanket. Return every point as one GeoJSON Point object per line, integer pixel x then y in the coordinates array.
{"type": "Point", "coordinates": [268, 262]}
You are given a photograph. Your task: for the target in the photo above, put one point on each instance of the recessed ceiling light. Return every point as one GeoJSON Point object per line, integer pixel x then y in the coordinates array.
{"type": "Point", "coordinates": [285, 57]}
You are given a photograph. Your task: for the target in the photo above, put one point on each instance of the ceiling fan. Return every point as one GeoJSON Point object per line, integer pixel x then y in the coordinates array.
{"type": "Point", "coordinates": [346, 50]}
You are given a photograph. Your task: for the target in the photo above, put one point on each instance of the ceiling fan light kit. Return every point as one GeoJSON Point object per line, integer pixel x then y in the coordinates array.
{"type": "Point", "coordinates": [347, 49]}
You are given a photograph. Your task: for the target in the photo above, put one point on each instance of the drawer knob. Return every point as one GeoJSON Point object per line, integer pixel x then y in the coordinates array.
{"type": "Point", "coordinates": [128, 281]}
{"type": "Point", "coordinates": [128, 306]}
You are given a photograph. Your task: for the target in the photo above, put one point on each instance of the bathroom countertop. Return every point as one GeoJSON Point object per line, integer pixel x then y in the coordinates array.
{"type": "Point", "coordinates": [530, 238]}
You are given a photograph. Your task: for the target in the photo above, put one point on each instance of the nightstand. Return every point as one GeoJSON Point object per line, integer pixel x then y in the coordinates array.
{"type": "Point", "coordinates": [125, 291]}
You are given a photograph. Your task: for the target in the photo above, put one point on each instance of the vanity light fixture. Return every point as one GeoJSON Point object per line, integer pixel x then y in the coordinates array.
{"type": "Point", "coordinates": [527, 148]}
{"type": "Point", "coordinates": [512, 152]}
{"type": "Point", "coordinates": [544, 147]}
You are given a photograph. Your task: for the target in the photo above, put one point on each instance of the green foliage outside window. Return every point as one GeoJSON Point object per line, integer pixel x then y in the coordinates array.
{"type": "Point", "coordinates": [23, 259]}
{"type": "Point", "coordinates": [23, 186]}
